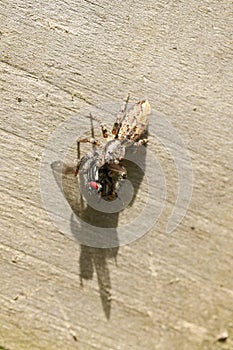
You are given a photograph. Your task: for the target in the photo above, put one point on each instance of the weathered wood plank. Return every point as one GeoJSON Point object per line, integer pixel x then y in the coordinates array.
{"type": "Point", "coordinates": [166, 291]}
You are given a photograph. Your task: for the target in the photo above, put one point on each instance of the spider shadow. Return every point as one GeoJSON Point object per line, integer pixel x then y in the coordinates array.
{"type": "Point", "coordinates": [93, 258]}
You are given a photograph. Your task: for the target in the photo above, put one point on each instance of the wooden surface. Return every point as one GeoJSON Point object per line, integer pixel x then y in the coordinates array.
{"type": "Point", "coordinates": [165, 291]}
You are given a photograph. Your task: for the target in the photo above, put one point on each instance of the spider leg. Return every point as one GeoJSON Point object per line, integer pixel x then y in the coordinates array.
{"type": "Point", "coordinates": [120, 117]}
{"type": "Point", "coordinates": [125, 104]}
{"type": "Point", "coordinates": [78, 150]}
{"type": "Point", "coordinates": [92, 126]}
{"type": "Point", "coordinates": [91, 140]}
{"type": "Point", "coordinates": [135, 144]}
{"type": "Point", "coordinates": [103, 127]}
{"type": "Point", "coordinates": [78, 158]}
{"type": "Point", "coordinates": [142, 142]}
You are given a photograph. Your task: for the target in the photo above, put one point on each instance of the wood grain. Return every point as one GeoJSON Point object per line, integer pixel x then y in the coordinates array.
{"type": "Point", "coordinates": [162, 291]}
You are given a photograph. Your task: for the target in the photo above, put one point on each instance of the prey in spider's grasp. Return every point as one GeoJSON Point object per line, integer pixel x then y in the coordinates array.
{"type": "Point", "coordinates": [101, 170]}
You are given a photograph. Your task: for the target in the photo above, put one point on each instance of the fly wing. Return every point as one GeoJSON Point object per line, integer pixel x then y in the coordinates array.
{"type": "Point", "coordinates": [135, 122]}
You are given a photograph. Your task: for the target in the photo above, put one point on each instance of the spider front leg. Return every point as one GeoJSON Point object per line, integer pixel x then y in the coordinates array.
{"type": "Point", "coordinates": [103, 127]}
{"type": "Point", "coordinates": [91, 140]}
{"type": "Point", "coordinates": [142, 142]}
{"type": "Point", "coordinates": [120, 117]}
{"type": "Point", "coordinates": [138, 144]}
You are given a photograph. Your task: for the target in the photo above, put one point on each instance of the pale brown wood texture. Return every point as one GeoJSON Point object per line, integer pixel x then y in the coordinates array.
{"type": "Point", "coordinates": [165, 291]}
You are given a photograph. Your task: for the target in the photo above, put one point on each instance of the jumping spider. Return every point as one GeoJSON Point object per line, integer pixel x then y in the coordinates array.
{"type": "Point", "coordinates": [101, 169]}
